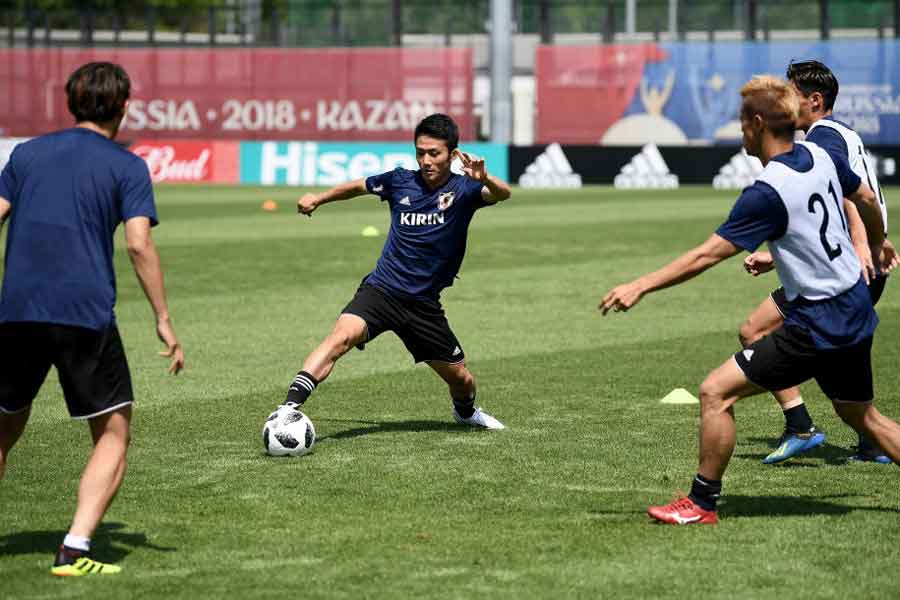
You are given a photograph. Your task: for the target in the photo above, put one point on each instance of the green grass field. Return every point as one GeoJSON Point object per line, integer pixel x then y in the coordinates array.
{"type": "Point", "coordinates": [397, 500]}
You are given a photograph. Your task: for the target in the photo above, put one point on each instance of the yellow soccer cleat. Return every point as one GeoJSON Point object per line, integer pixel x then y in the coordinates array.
{"type": "Point", "coordinates": [84, 566]}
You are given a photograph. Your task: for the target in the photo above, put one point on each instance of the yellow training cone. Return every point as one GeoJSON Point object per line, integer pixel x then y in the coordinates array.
{"type": "Point", "coordinates": [680, 396]}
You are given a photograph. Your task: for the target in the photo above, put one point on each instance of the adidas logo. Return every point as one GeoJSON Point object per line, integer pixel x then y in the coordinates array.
{"type": "Point", "coordinates": [456, 351]}
{"type": "Point", "coordinates": [646, 170]}
{"type": "Point", "coordinates": [748, 354]}
{"type": "Point", "coordinates": [739, 172]}
{"type": "Point", "coordinates": [378, 188]}
{"type": "Point", "coordinates": [404, 201]}
{"type": "Point", "coordinates": [551, 169]}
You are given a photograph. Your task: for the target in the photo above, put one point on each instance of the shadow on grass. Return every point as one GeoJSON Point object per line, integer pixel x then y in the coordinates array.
{"type": "Point", "coordinates": [109, 544]}
{"type": "Point", "coordinates": [372, 427]}
{"type": "Point", "coordinates": [737, 505]}
{"type": "Point", "coordinates": [791, 506]}
{"type": "Point", "coordinates": [831, 454]}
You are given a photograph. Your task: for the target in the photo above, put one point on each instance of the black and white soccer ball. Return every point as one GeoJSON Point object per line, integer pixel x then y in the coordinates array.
{"type": "Point", "coordinates": [288, 432]}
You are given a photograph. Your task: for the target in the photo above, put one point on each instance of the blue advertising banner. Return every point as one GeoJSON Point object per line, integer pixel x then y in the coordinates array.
{"type": "Point", "coordinates": [688, 92]}
{"type": "Point", "coordinates": [331, 163]}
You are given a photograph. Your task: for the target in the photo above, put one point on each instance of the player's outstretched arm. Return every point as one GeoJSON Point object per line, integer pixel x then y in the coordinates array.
{"type": "Point", "coordinates": [148, 269]}
{"type": "Point", "coordinates": [495, 189]}
{"type": "Point", "coordinates": [688, 265]}
{"type": "Point", "coordinates": [860, 240]}
{"type": "Point", "coordinates": [310, 202]}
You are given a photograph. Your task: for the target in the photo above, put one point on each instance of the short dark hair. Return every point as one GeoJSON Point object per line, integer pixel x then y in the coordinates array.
{"type": "Point", "coordinates": [440, 127]}
{"type": "Point", "coordinates": [97, 92]}
{"type": "Point", "coordinates": [812, 76]}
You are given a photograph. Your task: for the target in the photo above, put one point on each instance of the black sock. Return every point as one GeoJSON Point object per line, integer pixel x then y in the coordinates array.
{"type": "Point", "coordinates": [303, 385]}
{"type": "Point", "coordinates": [67, 556]}
{"type": "Point", "coordinates": [705, 492]}
{"type": "Point", "coordinates": [465, 408]}
{"type": "Point", "coordinates": [797, 419]}
{"type": "Point", "coordinates": [868, 447]}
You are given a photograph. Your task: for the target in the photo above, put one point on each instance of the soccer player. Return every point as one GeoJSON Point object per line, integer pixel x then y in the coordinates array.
{"type": "Point", "coordinates": [817, 89]}
{"type": "Point", "coordinates": [794, 205]}
{"type": "Point", "coordinates": [64, 194]}
{"type": "Point", "coordinates": [430, 214]}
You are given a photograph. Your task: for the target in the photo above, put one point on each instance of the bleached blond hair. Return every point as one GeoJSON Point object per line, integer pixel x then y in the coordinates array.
{"type": "Point", "coordinates": [773, 99]}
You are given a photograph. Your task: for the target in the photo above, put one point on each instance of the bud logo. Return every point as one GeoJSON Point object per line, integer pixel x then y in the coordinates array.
{"type": "Point", "coordinates": [175, 162]}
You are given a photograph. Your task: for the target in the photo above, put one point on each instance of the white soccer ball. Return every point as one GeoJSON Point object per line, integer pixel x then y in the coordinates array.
{"type": "Point", "coordinates": [288, 432]}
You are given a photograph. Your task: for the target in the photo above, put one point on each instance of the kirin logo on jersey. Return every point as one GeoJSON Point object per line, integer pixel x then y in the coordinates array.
{"type": "Point", "coordinates": [445, 200]}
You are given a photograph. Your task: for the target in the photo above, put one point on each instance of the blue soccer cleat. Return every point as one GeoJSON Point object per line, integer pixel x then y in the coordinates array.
{"type": "Point", "coordinates": [875, 455]}
{"type": "Point", "coordinates": [792, 444]}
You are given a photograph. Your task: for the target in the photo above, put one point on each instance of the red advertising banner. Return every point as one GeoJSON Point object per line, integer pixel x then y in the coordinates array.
{"type": "Point", "coordinates": [180, 161]}
{"type": "Point", "coordinates": [583, 90]}
{"type": "Point", "coordinates": [375, 94]}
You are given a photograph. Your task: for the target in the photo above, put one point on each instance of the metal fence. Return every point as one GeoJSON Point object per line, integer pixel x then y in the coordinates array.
{"type": "Point", "coordinates": [315, 23]}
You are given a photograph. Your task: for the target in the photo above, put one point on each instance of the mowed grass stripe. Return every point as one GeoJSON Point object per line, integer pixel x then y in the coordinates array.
{"type": "Point", "coordinates": [397, 500]}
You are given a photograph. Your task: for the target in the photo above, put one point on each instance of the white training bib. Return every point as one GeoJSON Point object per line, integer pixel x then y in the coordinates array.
{"type": "Point", "coordinates": [859, 158]}
{"type": "Point", "coordinates": [814, 258]}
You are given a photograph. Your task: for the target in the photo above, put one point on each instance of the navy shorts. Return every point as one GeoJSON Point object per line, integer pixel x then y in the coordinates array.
{"type": "Point", "coordinates": [788, 357]}
{"type": "Point", "coordinates": [420, 324]}
{"type": "Point", "coordinates": [92, 367]}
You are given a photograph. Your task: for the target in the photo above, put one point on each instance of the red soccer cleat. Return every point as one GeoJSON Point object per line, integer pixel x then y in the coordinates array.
{"type": "Point", "coordinates": [683, 511]}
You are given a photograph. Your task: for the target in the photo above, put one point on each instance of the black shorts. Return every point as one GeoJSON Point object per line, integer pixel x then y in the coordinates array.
{"type": "Point", "coordinates": [91, 364]}
{"type": "Point", "coordinates": [876, 288]}
{"type": "Point", "coordinates": [788, 357]}
{"type": "Point", "coordinates": [420, 324]}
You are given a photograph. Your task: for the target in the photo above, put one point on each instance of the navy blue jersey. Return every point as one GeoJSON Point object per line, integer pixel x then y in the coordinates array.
{"type": "Point", "coordinates": [69, 190]}
{"type": "Point", "coordinates": [427, 240]}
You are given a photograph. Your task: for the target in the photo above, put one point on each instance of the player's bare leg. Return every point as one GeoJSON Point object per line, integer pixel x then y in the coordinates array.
{"type": "Point", "coordinates": [105, 470]}
{"type": "Point", "coordinates": [718, 393]}
{"type": "Point", "coordinates": [868, 421]}
{"type": "Point", "coordinates": [462, 390]}
{"type": "Point", "coordinates": [800, 434]}
{"type": "Point", "coordinates": [11, 428]}
{"type": "Point", "coordinates": [100, 482]}
{"type": "Point", "coordinates": [349, 331]}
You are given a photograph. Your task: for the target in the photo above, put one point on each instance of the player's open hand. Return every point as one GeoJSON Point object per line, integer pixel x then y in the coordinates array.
{"type": "Point", "coordinates": [173, 350]}
{"type": "Point", "coordinates": [758, 263]}
{"type": "Point", "coordinates": [622, 297]}
{"type": "Point", "coordinates": [307, 204]}
{"type": "Point", "coordinates": [867, 265]}
{"type": "Point", "coordinates": [888, 258]}
{"type": "Point", "coordinates": [473, 166]}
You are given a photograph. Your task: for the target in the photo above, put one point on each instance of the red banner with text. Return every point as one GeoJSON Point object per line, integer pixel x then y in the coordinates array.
{"type": "Point", "coordinates": [374, 94]}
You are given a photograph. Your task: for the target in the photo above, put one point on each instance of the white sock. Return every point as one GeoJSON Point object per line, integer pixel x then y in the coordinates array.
{"type": "Point", "coordinates": [792, 403]}
{"type": "Point", "coordinates": [77, 542]}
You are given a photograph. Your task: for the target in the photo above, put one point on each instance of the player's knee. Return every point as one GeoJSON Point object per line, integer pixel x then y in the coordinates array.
{"type": "Point", "coordinates": [462, 378]}
{"type": "Point", "coordinates": [711, 396]}
{"type": "Point", "coordinates": [340, 341]}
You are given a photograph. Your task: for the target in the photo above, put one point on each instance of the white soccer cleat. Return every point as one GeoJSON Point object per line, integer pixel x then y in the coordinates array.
{"type": "Point", "coordinates": [479, 419]}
